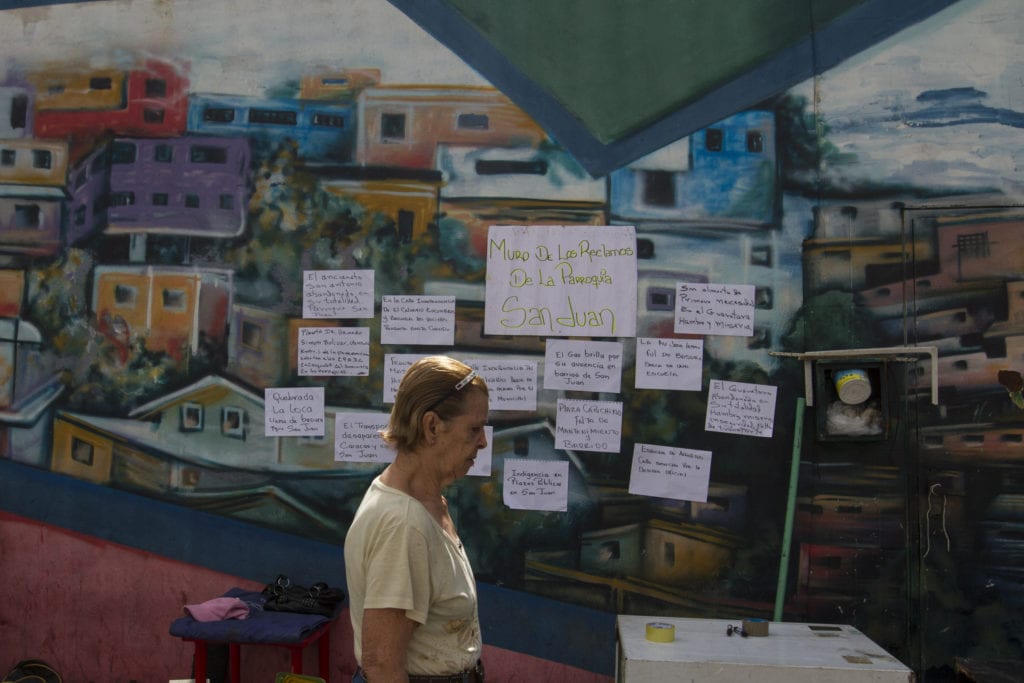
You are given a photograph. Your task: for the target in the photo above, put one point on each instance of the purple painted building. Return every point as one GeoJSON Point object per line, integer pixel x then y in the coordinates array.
{"type": "Point", "coordinates": [191, 186]}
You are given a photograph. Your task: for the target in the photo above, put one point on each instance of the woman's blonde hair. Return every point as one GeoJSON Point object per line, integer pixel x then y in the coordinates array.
{"type": "Point", "coordinates": [437, 383]}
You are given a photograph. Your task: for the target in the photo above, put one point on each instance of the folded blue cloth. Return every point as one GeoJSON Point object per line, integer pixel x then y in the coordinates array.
{"type": "Point", "coordinates": [260, 627]}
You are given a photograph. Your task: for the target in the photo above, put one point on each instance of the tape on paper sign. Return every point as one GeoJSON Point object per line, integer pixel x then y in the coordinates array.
{"type": "Point", "coordinates": [755, 627]}
{"type": "Point", "coordinates": [660, 632]}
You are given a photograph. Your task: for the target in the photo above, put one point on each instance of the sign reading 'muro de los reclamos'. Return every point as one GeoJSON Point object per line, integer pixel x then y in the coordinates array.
{"type": "Point", "coordinates": [561, 281]}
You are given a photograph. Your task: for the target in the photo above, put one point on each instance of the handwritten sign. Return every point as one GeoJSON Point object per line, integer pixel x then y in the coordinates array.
{"type": "Point", "coordinates": [703, 308]}
{"type": "Point", "coordinates": [482, 465]}
{"type": "Point", "coordinates": [294, 412]}
{"type": "Point", "coordinates": [561, 281]}
{"type": "Point", "coordinates": [334, 351]}
{"type": "Point", "coordinates": [672, 364]}
{"type": "Point", "coordinates": [588, 425]}
{"type": "Point", "coordinates": [740, 408]}
{"type": "Point", "coordinates": [418, 320]}
{"type": "Point", "coordinates": [583, 366]}
{"type": "Point", "coordinates": [337, 294]}
{"type": "Point", "coordinates": [668, 472]}
{"type": "Point", "coordinates": [511, 384]}
{"type": "Point", "coordinates": [395, 365]}
{"type": "Point", "coordinates": [357, 438]}
{"type": "Point", "coordinates": [536, 485]}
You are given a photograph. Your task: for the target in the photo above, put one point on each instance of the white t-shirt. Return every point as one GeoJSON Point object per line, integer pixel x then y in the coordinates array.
{"type": "Point", "coordinates": [397, 556]}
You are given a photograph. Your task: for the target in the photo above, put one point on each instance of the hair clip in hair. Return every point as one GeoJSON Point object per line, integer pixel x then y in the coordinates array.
{"type": "Point", "coordinates": [466, 380]}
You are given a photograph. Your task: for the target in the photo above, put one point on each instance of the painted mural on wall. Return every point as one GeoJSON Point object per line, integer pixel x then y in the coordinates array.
{"type": "Point", "coordinates": [160, 199]}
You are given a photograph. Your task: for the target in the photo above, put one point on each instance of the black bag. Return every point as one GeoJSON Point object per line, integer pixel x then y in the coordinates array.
{"type": "Point", "coordinates": [285, 596]}
{"type": "Point", "coordinates": [32, 671]}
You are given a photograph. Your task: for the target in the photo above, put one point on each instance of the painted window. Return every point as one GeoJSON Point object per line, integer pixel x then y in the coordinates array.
{"type": "Point", "coordinates": [192, 200]}
{"type": "Point", "coordinates": [252, 335]}
{"type": "Point", "coordinates": [659, 188]}
{"type": "Point", "coordinates": [160, 199]}
{"type": "Point", "coordinates": [406, 219]}
{"type": "Point", "coordinates": [328, 120]}
{"type": "Point", "coordinates": [42, 158]}
{"type": "Point", "coordinates": [218, 114]}
{"type": "Point", "coordinates": [473, 122]}
{"type": "Point", "coordinates": [191, 417]}
{"type": "Point", "coordinates": [174, 299]}
{"type": "Point", "coordinates": [973, 245]}
{"type": "Point", "coordinates": [232, 422]}
{"type": "Point", "coordinates": [153, 115]}
{"type": "Point", "coordinates": [661, 299]}
{"type": "Point", "coordinates": [156, 87]}
{"type": "Point", "coordinates": [713, 138]}
{"type": "Point", "coordinates": [207, 154]}
{"type": "Point", "coordinates": [670, 554]}
{"type": "Point", "coordinates": [122, 198]}
{"type": "Point", "coordinates": [163, 154]}
{"type": "Point", "coordinates": [226, 201]}
{"type": "Point", "coordinates": [19, 111]}
{"type": "Point", "coordinates": [27, 216]}
{"type": "Point", "coordinates": [100, 83]}
{"type": "Point", "coordinates": [274, 117]}
{"type": "Point", "coordinates": [125, 296]}
{"type": "Point", "coordinates": [82, 451]}
{"type": "Point", "coordinates": [763, 297]}
{"type": "Point", "coordinates": [8, 157]}
{"type": "Point", "coordinates": [761, 256]}
{"type": "Point", "coordinates": [392, 127]}
{"type": "Point", "coordinates": [511, 167]}
{"type": "Point", "coordinates": [755, 142]}
{"type": "Point", "coordinates": [123, 153]}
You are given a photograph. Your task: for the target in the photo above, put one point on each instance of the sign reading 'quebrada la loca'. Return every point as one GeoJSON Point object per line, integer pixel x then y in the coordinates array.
{"type": "Point", "coordinates": [558, 280]}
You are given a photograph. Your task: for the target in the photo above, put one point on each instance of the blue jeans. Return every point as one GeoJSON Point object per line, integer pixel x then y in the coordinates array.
{"type": "Point", "coordinates": [358, 677]}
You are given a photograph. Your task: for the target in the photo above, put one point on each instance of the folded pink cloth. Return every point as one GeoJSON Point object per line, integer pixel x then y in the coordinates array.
{"type": "Point", "coordinates": [218, 609]}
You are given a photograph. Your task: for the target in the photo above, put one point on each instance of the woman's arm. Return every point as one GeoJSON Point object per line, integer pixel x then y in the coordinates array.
{"type": "Point", "coordinates": [386, 636]}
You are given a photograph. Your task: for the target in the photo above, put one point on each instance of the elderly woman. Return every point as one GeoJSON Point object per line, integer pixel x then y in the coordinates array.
{"type": "Point", "coordinates": [411, 589]}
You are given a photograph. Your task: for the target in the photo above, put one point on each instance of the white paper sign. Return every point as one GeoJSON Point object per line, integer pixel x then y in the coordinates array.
{"type": "Point", "coordinates": [482, 466]}
{"type": "Point", "coordinates": [395, 365]}
{"type": "Point", "coordinates": [588, 425]}
{"type": "Point", "coordinates": [337, 294]}
{"type": "Point", "coordinates": [536, 485]}
{"type": "Point", "coordinates": [334, 351]}
{"type": "Point", "coordinates": [423, 320]}
{"type": "Point", "coordinates": [703, 308]}
{"type": "Point", "coordinates": [583, 366]}
{"type": "Point", "coordinates": [294, 412]}
{"type": "Point", "coordinates": [511, 384]}
{"type": "Point", "coordinates": [673, 364]}
{"type": "Point", "coordinates": [740, 408]}
{"type": "Point", "coordinates": [561, 281]}
{"type": "Point", "coordinates": [667, 472]}
{"type": "Point", "coordinates": [357, 438]}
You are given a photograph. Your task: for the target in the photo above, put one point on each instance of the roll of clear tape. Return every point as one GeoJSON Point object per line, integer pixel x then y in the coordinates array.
{"type": "Point", "coordinates": [660, 632]}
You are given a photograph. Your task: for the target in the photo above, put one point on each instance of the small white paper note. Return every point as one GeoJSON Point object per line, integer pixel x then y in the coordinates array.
{"type": "Point", "coordinates": [588, 425]}
{"type": "Point", "coordinates": [293, 412]}
{"type": "Point", "coordinates": [536, 485]}
{"type": "Point", "coordinates": [668, 472]}
{"type": "Point", "coordinates": [583, 366]}
{"type": "Point", "coordinates": [334, 351]}
{"type": "Point", "coordinates": [422, 320]}
{"type": "Point", "coordinates": [703, 308]}
{"type": "Point", "coordinates": [511, 384]}
{"type": "Point", "coordinates": [357, 438]}
{"type": "Point", "coordinates": [741, 408]}
{"type": "Point", "coordinates": [337, 294]}
{"type": "Point", "coordinates": [671, 364]}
